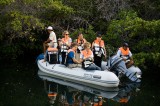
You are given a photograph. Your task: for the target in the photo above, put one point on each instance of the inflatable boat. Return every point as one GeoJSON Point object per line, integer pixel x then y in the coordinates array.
{"type": "Point", "coordinates": [79, 75]}
{"type": "Point", "coordinates": [114, 68]}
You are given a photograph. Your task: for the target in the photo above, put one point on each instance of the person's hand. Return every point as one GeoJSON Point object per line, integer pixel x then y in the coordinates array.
{"type": "Point", "coordinates": [105, 57]}
{"type": "Point", "coordinates": [124, 59]}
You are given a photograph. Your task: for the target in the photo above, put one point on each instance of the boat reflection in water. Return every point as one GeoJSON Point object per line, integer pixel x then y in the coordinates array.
{"type": "Point", "coordinates": [64, 93]}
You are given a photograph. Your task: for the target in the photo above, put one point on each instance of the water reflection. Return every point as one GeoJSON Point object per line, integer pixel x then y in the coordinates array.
{"type": "Point", "coordinates": [125, 92]}
{"type": "Point", "coordinates": [64, 93]}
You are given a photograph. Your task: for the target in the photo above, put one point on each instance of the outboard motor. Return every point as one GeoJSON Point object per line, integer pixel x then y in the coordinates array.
{"type": "Point", "coordinates": [117, 65]}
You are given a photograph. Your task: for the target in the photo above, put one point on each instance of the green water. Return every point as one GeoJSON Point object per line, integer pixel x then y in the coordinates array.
{"type": "Point", "coordinates": [20, 85]}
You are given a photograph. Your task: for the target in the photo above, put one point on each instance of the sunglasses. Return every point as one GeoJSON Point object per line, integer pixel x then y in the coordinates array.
{"type": "Point", "coordinates": [66, 34]}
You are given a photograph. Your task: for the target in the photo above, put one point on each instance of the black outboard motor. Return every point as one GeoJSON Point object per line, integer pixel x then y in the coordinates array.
{"type": "Point", "coordinates": [118, 66]}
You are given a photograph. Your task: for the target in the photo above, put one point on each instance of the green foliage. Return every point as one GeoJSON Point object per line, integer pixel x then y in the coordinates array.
{"type": "Point", "coordinates": [55, 10]}
{"type": "Point", "coordinates": [23, 22]}
{"type": "Point", "coordinates": [130, 28]}
{"type": "Point", "coordinates": [88, 34]}
{"type": "Point", "coordinates": [147, 61]}
{"type": "Point", "coordinates": [6, 2]}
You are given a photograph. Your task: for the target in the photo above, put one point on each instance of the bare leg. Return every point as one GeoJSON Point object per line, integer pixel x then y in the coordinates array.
{"type": "Point", "coordinates": [45, 46]}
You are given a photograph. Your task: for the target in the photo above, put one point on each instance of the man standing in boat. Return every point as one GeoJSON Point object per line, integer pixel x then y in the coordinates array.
{"type": "Point", "coordinates": [126, 54]}
{"type": "Point", "coordinates": [51, 41]}
{"type": "Point", "coordinates": [71, 62]}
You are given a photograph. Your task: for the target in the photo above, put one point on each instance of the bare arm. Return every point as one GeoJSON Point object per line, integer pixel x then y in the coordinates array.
{"type": "Point", "coordinates": [76, 61]}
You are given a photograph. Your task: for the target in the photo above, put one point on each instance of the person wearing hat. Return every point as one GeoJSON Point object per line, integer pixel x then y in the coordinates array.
{"type": "Point", "coordinates": [98, 48]}
{"type": "Point", "coordinates": [51, 41]}
{"type": "Point", "coordinates": [126, 54]}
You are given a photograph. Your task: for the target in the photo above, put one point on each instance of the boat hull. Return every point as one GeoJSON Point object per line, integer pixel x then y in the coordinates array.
{"type": "Point", "coordinates": [79, 75]}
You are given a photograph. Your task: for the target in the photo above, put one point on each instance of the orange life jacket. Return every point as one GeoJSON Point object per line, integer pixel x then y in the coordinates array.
{"type": "Point", "coordinates": [66, 39]}
{"type": "Point", "coordinates": [80, 41]}
{"type": "Point", "coordinates": [124, 52]}
{"type": "Point", "coordinates": [98, 46]}
{"type": "Point", "coordinates": [99, 43]}
{"type": "Point", "coordinates": [86, 54]}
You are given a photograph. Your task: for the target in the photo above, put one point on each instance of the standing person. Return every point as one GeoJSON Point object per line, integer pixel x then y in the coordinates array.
{"type": "Point", "coordinates": [99, 50]}
{"type": "Point", "coordinates": [80, 41]}
{"type": "Point", "coordinates": [51, 41]}
{"type": "Point", "coordinates": [71, 62]}
{"type": "Point", "coordinates": [86, 57]}
{"type": "Point", "coordinates": [65, 44]}
{"type": "Point", "coordinates": [126, 54]}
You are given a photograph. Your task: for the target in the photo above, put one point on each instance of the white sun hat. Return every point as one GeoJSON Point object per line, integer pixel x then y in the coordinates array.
{"type": "Point", "coordinates": [50, 28]}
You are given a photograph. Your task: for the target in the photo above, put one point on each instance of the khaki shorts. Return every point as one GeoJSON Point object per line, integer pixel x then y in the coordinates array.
{"type": "Point", "coordinates": [77, 56]}
{"type": "Point", "coordinates": [74, 65]}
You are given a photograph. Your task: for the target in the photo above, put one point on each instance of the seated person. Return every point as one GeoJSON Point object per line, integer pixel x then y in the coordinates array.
{"type": "Point", "coordinates": [126, 54]}
{"type": "Point", "coordinates": [71, 62]}
{"type": "Point", "coordinates": [86, 57]}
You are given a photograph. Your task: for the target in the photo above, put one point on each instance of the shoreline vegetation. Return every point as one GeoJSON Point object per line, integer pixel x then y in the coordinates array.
{"type": "Point", "coordinates": [23, 26]}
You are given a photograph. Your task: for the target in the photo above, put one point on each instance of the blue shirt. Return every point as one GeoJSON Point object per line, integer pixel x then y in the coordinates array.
{"type": "Point", "coordinates": [70, 56]}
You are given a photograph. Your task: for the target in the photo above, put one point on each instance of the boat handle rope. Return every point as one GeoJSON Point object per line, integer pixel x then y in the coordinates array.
{"type": "Point", "coordinates": [46, 63]}
{"type": "Point", "coordinates": [53, 66]}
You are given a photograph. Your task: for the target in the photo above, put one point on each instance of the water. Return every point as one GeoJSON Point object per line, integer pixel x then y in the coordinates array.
{"type": "Point", "coordinates": [20, 85]}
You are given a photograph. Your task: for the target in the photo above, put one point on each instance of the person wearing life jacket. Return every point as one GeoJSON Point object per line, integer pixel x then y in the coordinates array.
{"type": "Point", "coordinates": [98, 48]}
{"type": "Point", "coordinates": [51, 41]}
{"type": "Point", "coordinates": [80, 41]}
{"type": "Point", "coordinates": [64, 45]}
{"type": "Point", "coordinates": [71, 62]}
{"type": "Point", "coordinates": [126, 54]}
{"type": "Point", "coordinates": [86, 57]}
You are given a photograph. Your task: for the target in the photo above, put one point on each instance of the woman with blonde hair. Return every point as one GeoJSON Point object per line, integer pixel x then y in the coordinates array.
{"type": "Point", "coordinates": [64, 44]}
{"type": "Point", "coordinates": [86, 57]}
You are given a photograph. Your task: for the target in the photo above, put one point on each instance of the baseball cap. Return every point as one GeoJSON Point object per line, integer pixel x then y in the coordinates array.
{"type": "Point", "coordinates": [49, 28]}
{"type": "Point", "coordinates": [125, 44]}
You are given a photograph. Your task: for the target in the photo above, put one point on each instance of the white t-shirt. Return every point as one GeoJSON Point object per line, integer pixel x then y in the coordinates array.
{"type": "Point", "coordinates": [53, 38]}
